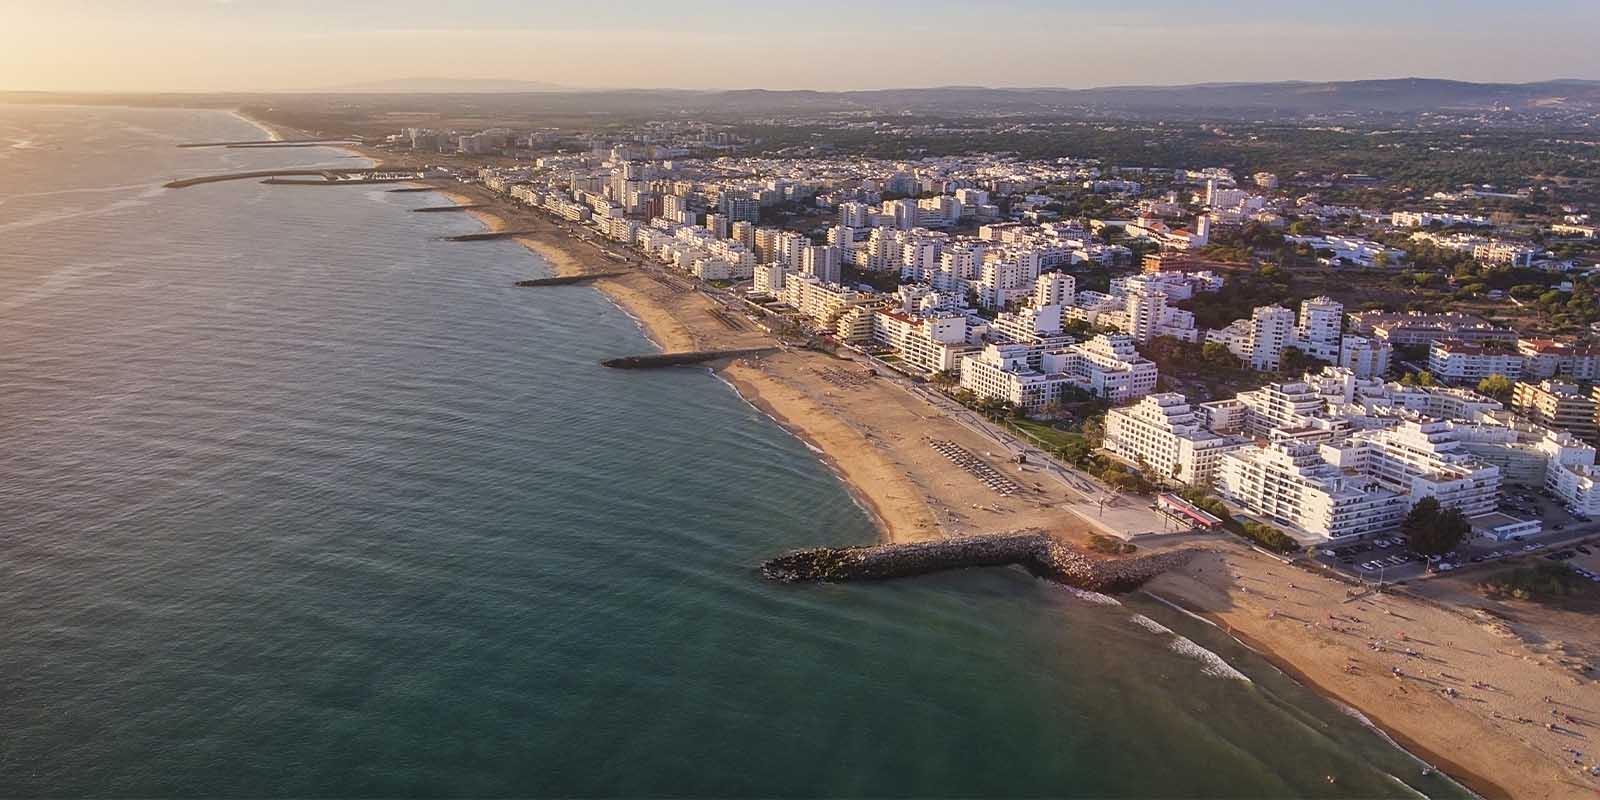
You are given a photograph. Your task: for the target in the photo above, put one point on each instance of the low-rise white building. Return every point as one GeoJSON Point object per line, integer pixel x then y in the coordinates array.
{"type": "Point", "coordinates": [1458, 362]}
{"type": "Point", "coordinates": [1033, 376]}
{"type": "Point", "coordinates": [1571, 473]}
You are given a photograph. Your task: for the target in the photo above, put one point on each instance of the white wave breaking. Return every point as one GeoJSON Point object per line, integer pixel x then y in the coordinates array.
{"type": "Point", "coordinates": [1150, 624]}
{"type": "Point", "coordinates": [1093, 597]}
{"type": "Point", "coordinates": [1214, 665]}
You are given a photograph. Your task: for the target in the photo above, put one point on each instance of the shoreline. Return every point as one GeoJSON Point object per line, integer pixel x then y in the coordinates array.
{"type": "Point", "coordinates": [874, 439]}
{"type": "Point", "coordinates": [748, 391]}
{"type": "Point", "coordinates": [1467, 778]}
{"type": "Point", "coordinates": [1454, 690]}
{"type": "Point", "coordinates": [278, 134]}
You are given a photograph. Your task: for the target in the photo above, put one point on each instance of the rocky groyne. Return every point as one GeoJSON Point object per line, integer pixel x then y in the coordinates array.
{"type": "Point", "coordinates": [679, 359]}
{"type": "Point", "coordinates": [566, 280]}
{"type": "Point", "coordinates": [487, 236]}
{"type": "Point", "coordinates": [1036, 552]}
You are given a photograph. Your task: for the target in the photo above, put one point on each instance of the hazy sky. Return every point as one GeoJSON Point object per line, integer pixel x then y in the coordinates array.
{"type": "Point", "coordinates": [202, 45]}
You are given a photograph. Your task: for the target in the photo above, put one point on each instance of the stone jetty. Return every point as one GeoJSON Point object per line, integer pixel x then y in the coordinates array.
{"type": "Point", "coordinates": [655, 360]}
{"type": "Point", "coordinates": [327, 175]}
{"type": "Point", "coordinates": [565, 280]}
{"type": "Point", "coordinates": [487, 236]}
{"type": "Point", "coordinates": [1038, 553]}
{"type": "Point", "coordinates": [276, 142]}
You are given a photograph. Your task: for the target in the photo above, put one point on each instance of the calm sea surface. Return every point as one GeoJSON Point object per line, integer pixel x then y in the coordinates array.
{"type": "Point", "coordinates": [297, 499]}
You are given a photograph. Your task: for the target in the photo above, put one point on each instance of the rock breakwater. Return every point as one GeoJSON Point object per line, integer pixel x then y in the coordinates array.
{"type": "Point", "coordinates": [1037, 552]}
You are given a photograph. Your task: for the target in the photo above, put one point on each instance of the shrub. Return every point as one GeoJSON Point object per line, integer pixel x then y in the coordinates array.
{"type": "Point", "coordinates": [1270, 537]}
{"type": "Point", "coordinates": [1207, 502]}
{"type": "Point", "coordinates": [1110, 546]}
{"type": "Point", "coordinates": [1538, 582]}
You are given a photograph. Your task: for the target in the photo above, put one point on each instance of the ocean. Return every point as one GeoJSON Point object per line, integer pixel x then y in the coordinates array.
{"type": "Point", "coordinates": [297, 498]}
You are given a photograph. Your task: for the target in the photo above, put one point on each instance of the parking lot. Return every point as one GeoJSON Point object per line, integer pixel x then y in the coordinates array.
{"type": "Point", "coordinates": [1388, 560]}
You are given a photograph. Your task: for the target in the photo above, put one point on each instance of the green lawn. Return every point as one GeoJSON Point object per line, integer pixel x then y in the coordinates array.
{"type": "Point", "coordinates": [1051, 436]}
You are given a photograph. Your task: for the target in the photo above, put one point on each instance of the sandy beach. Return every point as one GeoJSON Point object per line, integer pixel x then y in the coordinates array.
{"type": "Point", "coordinates": [1470, 694]}
{"type": "Point", "coordinates": [1467, 681]}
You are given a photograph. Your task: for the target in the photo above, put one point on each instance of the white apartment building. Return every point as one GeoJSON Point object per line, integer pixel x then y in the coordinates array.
{"type": "Point", "coordinates": [821, 262]}
{"type": "Point", "coordinates": [1259, 340]}
{"type": "Point", "coordinates": [1142, 314]}
{"type": "Point", "coordinates": [926, 344]}
{"type": "Point", "coordinates": [1500, 252]}
{"type": "Point", "coordinates": [1547, 358]}
{"type": "Point", "coordinates": [1319, 331]}
{"type": "Point", "coordinates": [1164, 434]}
{"type": "Point", "coordinates": [1285, 406]}
{"type": "Point", "coordinates": [1054, 289]}
{"type": "Point", "coordinates": [1571, 473]}
{"type": "Point", "coordinates": [1467, 363]}
{"type": "Point", "coordinates": [1288, 483]}
{"type": "Point", "coordinates": [1108, 366]}
{"type": "Point", "coordinates": [1031, 376]}
{"type": "Point", "coordinates": [1422, 219]}
{"type": "Point", "coordinates": [1029, 324]}
{"type": "Point", "coordinates": [821, 302]}
{"type": "Point", "coordinates": [1366, 356]}
{"type": "Point", "coordinates": [768, 279]}
{"type": "Point", "coordinates": [1421, 458]}
{"type": "Point", "coordinates": [855, 215]}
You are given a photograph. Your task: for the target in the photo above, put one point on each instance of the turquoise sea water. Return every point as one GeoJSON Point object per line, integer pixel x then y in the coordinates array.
{"type": "Point", "coordinates": [297, 499]}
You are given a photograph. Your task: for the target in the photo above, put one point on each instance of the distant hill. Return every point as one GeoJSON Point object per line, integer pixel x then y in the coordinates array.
{"type": "Point", "coordinates": [443, 86]}
{"type": "Point", "coordinates": [1289, 98]}
{"type": "Point", "coordinates": [1564, 101]}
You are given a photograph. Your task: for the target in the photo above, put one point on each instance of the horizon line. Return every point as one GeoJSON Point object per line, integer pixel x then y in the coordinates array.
{"type": "Point", "coordinates": [561, 89]}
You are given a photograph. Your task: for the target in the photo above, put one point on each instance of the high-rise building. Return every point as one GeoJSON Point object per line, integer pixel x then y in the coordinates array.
{"type": "Point", "coordinates": [855, 215]}
{"type": "Point", "coordinates": [1271, 329]}
{"type": "Point", "coordinates": [1054, 289]}
{"type": "Point", "coordinates": [1559, 405]}
{"type": "Point", "coordinates": [1288, 483]}
{"type": "Point", "coordinates": [821, 262]}
{"type": "Point", "coordinates": [1319, 333]}
{"type": "Point", "coordinates": [1165, 436]}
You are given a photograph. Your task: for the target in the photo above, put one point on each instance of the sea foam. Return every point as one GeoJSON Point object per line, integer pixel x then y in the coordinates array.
{"type": "Point", "coordinates": [1215, 666]}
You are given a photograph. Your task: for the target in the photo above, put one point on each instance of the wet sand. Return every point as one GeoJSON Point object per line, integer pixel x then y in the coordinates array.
{"type": "Point", "coordinates": [1465, 679]}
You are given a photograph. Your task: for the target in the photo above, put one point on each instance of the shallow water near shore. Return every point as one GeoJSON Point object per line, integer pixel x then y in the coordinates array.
{"type": "Point", "coordinates": [302, 500]}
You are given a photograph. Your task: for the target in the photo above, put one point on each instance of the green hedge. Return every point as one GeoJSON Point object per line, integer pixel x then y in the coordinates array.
{"type": "Point", "coordinates": [1270, 537]}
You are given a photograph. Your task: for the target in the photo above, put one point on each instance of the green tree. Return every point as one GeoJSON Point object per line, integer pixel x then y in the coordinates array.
{"type": "Point", "coordinates": [1294, 359]}
{"type": "Point", "coordinates": [1433, 530]}
{"type": "Point", "coordinates": [1075, 450]}
{"type": "Point", "coordinates": [1497, 386]}
{"type": "Point", "coordinates": [1218, 354]}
